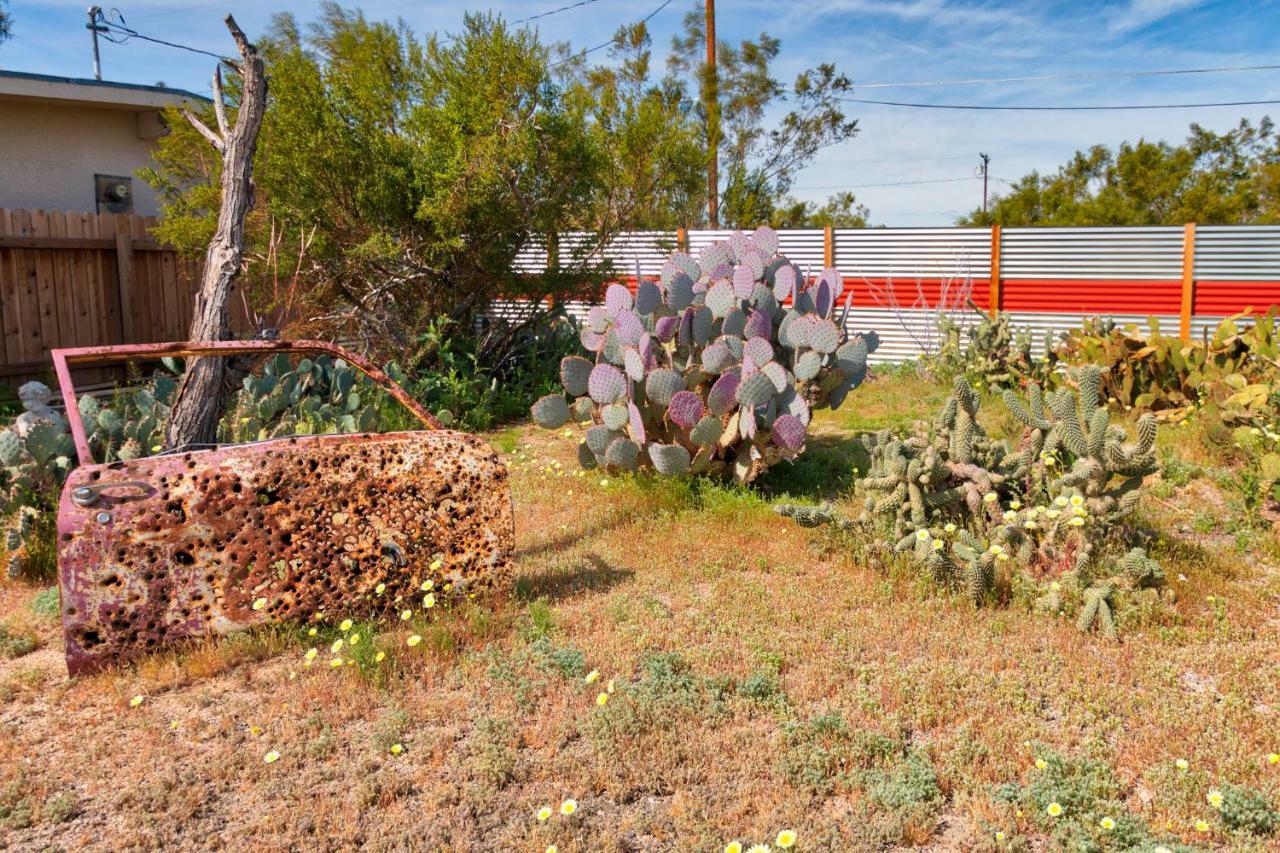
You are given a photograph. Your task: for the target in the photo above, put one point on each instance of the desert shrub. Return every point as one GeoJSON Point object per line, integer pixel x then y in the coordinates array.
{"type": "Point", "coordinates": [1080, 805]}
{"type": "Point", "coordinates": [1244, 809]}
{"type": "Point", "coordinates": [477, 381]}
{"type": "Point", "coordinates": [824, 752]}
{"type": "Point", "coordinates": [706, 371]}
{"type": "Point", "coordinates": [1235, 368]}
{"type": "Point", "coordinates": [15, 643]}
{"type": "Point", "coordinates": [46, 603]}
{"type": "Point", "coordinates": [908, 785]}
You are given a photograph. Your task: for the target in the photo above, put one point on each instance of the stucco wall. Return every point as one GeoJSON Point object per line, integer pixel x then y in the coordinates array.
{"type": "Point", "coordinates": [50, 153]}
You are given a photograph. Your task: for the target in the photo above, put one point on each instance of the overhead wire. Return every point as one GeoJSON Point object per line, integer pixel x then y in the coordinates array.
{"type": "Point", "coordinates": [1015, 108]}
{"type": "Point", "coordinates": [1039, 78]}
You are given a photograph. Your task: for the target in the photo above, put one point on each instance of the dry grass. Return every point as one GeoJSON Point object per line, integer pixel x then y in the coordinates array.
{"type": "Point", "coordinates": [763, 680]}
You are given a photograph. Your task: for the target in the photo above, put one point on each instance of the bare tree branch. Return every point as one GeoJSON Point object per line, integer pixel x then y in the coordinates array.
{"type": "Point", "coordinates": [214, 139]}
{"type": "Point", "coordinates": [219, 102]}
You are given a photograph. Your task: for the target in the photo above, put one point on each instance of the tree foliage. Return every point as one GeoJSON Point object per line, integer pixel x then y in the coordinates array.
{"type": "Point", "coordinates": [1229, 178]}
{"type": "Point", "coordinates": [6, 22]}
{"type": "Point", "coordinates": [760, 162]}
{"type": "Point", "coordinates": [841, 210]}
{"type": "Point", "coordinates": [422, 168]}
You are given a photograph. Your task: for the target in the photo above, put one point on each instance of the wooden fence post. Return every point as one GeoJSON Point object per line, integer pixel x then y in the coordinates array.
{"type": "Point", "coordinates": [1188, 280]}
{"type": "Point", "coordinates": [124, 277]}
{"type": "Point", "coordinates": [994, 294]}
{"type": "Point", "coordinates": [828, 247]}
{"type": "Point", "coordinates": [682, 239]}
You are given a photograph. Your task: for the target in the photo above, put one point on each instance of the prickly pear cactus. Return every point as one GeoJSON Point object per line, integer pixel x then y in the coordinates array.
{"type": "Point", "coordinates": [315, 397]}
{"type": "Point", "coordinates": [715, 368]}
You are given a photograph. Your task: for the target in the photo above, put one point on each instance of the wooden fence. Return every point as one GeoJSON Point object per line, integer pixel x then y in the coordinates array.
{"type": "Point", "coordinates": [83, 279]}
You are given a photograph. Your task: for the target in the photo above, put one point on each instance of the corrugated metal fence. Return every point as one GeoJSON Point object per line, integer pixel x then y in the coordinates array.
{"type": "Point", "coordinates": [1046, 279]}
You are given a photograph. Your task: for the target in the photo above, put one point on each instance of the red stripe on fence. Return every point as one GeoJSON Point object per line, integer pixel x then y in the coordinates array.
{"type": "Point", "coordinates": [1220, 298]}
{"type": "Point", "coordinates": [923, 293]}
{"type": "Point", "coordinates": [1085, 296]}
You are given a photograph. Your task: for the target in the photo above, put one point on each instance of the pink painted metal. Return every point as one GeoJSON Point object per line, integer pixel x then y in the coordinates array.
{"type": "Point", "coordinates": [156, 550]}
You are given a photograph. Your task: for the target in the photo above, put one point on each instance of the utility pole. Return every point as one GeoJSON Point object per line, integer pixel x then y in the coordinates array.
{"type": "Point", "coordinates": [712, 96]}
{"type": "Point", "coordinates": [95, 15]}
{"type": "Point", "coordinates": [986, 163]}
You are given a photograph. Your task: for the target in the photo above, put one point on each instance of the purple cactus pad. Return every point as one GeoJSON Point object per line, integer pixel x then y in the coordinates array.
{"type": "Point", "coordinates": [686, 409]}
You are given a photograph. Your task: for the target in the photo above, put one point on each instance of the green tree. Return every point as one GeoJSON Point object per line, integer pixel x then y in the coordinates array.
{"type": "Point", "coordinates": [652, 162]}
{"type": "Point", "coordinates": [418, 169]}
{"type": "Point", "coordinates": [759, 161]}
{"type": "Point", "coordinates": [1229, 178]}
{"type": "Point", "coordinates": [6, 22]}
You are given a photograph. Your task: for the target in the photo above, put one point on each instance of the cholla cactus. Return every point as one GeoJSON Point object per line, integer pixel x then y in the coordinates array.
{"type": "Point", "coordinates": [1077, 427]}
{"type": "Point", "coordinates": [1097, 610]}
{"type": "Point", "coordinates": [940, 471]}
{"type": "Point", "coordinates": [991, 353]}
{"type": "Point", "coordinates": [714, 368]}
{"type": "Point", "coordinates": [814, 516]}
{"type": "Point", "coordinates": [316, 397]}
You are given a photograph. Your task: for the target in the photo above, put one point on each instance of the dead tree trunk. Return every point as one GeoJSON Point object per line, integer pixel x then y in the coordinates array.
{"type": "Point", "coordinates": [206, 385]}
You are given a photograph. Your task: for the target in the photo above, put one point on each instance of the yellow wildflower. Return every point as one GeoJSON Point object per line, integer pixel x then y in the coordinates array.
{"type": "Point", "coordinates": [733, 847]}
{"type": "Point", "coordinates": [990, 497]}
{"type": "Point", "coordinates": [414, 640]}
{"type": "Point", "coordinates": [551, 848]}
{"type": "Point", "coordinates": [999, 835]}
{"type": "Point", "coordinates": [335, 663]}
{"type": "Point", "coordinates": [380, 589]}
{"type": "Point", "coordinates": [1077, 500]}
{"type": "Point", "coordinates": [1273, 758]}
{"type": "Point", "coordinates": [544, 813]}
{"type": "Point", "coordinates": [1202, 826]}
{"type": "Point", "coordinates": [136, 701]}
{"type": "Point", "coordinates": [436, 565]}
{"type": "Point", "coordinates": [922, 535]}
{"type": "Point", "coordinates": [609, 688]}
{"type": "Point", "coordinates": [313, 632]}
{"type": "Point", "coordinates": [311, 654]}
{"type": "Point", "coordinates": [426, 585]}
{"type": "Point", "coordinates": [379, 657]}
{"type": "Point", "coordinates": [938, 544]}
{"type": "Point", "coordinates": [602, 698]}
{"type": "Point", "coordinates": [1076, 522]}
{"type": "Point", "coordinates": [786, 838]}
{"type": "Point", "coordinates": [592, 677]}
{"type": "Point", "coordinates": [405, 615]}
{"type": "Point", "coordinates": [1041, 764]}
{"type": "Point", "coordinates": [1060, 500]}
{"type": "Point", "coordinates": [255, 731]}
{"type": "Point", "coordinates": [336, 647]}
{"type": "Point", "coordinates": [1107, 823]}
{"type": "Point", "coordinates": [1010, 515]}
{"type": "Point", "coordinates": [568, 807]}
{"type": "Point", "coordinates": [271, 757]}
{"type": "Point", "coordinates": [353, 639]}
{"type": "Point", "coordinates": [345, 625]}
{"type": "Point", "coordinates": [259, 603]}
{"type": "Point", "coordinates": [1214, 798]}
{"type": "Point", "coordinates": [397, 748]}
{"type": "Point", "coordinates": [1055, 809]}
{"type": "Point", "coordinates": [949, 527]}
{"type": "Point", "coordinates": [429, 601]}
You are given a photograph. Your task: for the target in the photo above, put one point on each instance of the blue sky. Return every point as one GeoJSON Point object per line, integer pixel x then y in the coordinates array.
{"type": "Point", "coordinates": [871, 41]}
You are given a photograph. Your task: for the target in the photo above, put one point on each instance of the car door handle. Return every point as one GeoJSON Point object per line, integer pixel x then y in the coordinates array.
{"type": "Point", "coordinates": [88, 495]}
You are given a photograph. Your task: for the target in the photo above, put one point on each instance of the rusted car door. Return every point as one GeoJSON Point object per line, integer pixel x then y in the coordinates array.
{"type": "Point", "coordinates": [155, 550]}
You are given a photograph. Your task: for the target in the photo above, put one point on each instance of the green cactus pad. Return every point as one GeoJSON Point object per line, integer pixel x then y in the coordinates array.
{"type": "Point", "coordinates": [680, 293]}
{"type": "Point", "coordinates": [623, 453]}
{"type": "Point", "coordinates": [808, 365]}
{"type": "Point", "coordinates": [575, 371]}
{"type": "Point", "coordinates": [550, 412]}
{"type": "Point", "coordinates": [701, 325]}
{"type": "Point", "coordinates": [633, 363]}
{"type": "Point", "coordinates": [586, 459]}
{"type": "Point", "coordinates": [599, 437]}
{"type": "Point", "coordinates": [670, 460]}
{"type": "Point", "coordinates": [735, 322]}
{"type": "Point", "coordinates": [785, 279]}
{"type": "Point", "coordinates": [614, 416]}
{"type": "Point", "coordinates": [663, 384]}
{"type": "Point", "coordinates": [707, 431]}
{"type": "Point", "coordinates": [759, 349]}
{"type": "Point", "coordinates": [755, 390]}
{"type": "Point", "coordinates": [777, 375]}
{"type": "Point", "coordinates": [648, 297]}
{"type": "Point", "coordinates": [583, 409]}
{"type": "Point", "coordinates": [822, 334]}
{"type": "Point", "coordinates": [717, 357]}
{"type": "Point", "coordinates": [721, 299]}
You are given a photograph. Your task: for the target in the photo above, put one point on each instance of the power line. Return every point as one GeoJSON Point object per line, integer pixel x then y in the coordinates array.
{"type": "Point", "coordinates": [1043, 108]}
{"type": "Point", "coordinates": [553, 12]}
{"type": "Point", "coordinates": [1051, 77]}
{"type": "Point", "coordinates": [127, 33]}
{"type": "Point", "coordinates": [608, 43]}
{"type": "Point", "coordinates": [889, 184]}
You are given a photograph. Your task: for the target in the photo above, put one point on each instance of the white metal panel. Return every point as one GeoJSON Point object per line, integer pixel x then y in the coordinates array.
{"type": "Point", "coordinates": [532, 258]}
{"type": "Point", "coordinates": [913, 252]}
{"type": "Point", "coordinates": [650, 248]}
{"type": "Point", "coordinates": [1238, 252]}
{"type": "Point", "coordinates": [1091, 253]}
